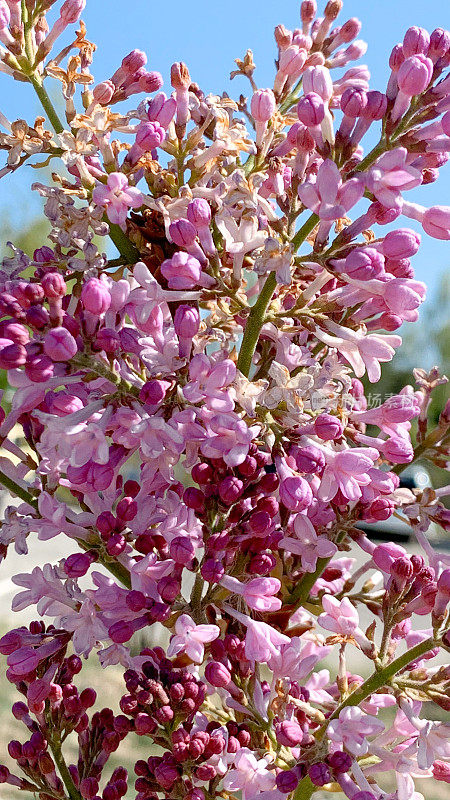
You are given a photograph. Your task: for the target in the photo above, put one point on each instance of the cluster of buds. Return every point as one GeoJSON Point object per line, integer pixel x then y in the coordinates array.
{"type": "Point", "coordinates": [53, 709]}
{"type": "Point", "coordinates": [193, 419]}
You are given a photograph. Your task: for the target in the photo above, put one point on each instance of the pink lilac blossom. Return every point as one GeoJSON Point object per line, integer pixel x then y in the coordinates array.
{"type": "Point", "coordinates": [186, 414]}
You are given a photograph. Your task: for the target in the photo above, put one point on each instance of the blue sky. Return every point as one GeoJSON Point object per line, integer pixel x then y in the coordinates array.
{"type": "Point", "coordinates": [208, 36]}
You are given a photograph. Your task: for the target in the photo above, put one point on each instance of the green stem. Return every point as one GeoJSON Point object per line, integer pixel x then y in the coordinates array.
{"type": "Point", "coordinates": [254, 324]}
{"type": "Point", "coordinates": [14, 488]}
{"type": "Point", "coordinates": [196, 598]}
{"type": "Point", "coordinates": [304, 231]}
{"type": "Point", "coordinates": [305, 584]}
{"type": "Point", "coordinates": [126, 248]}
{"type": "Point", "coordinates": [377, 151]}
{"type": "Point", "coordinates": [72, 791]}
{"type": "Point", "coordinates": [383, 676]}
{"type": "Point", "coordinates": [376, 681]}
{"type": "Point", "coordinates": [257, 314]}
{"type": "Point", "coordinates": [305, 789]}
{"type": "Point", "coordinates": [46, 103]}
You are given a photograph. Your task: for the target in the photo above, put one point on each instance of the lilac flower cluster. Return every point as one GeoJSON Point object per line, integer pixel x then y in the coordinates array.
{"type": "Point", "coordinates": [190, 416]}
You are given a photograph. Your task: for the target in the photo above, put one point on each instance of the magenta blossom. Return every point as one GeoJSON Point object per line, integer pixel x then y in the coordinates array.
{"type": "Point", "coordinates": [117, 197]}
{"type": "Point", "coordinates": [191, 638]}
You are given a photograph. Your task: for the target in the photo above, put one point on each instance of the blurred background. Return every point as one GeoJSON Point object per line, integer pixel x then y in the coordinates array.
{"type": "Point", "coordinates": [208, 37]}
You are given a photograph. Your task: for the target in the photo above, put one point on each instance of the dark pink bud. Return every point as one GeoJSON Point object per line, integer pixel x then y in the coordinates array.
{"type": "Point", "coordinates": [182, 271]}
{"type": "Point", "coordinates": [364, 264]}
{"type": "Point", "coordinates": [398, 450]}
{"type": "Point", "coordinates": [261, 564]}
{"type": "Point", "coordinates": [54, 285]}
{"type": "Point", "coordinates": [381, 509]}
{"type": "Point", "coordinates": [308, 9]}
{"type": "Point", "coordinates": [103, 92]}
{"type": "Point", "coordinates": [439, 44]}
{"type": "Point", "coordinates": [88, 697]}
{"type": "Point", "coordinates": [150, 135]}
{"type": "Point", "coordinates": [182, 232]}
{"type": "Point", "coordinates": [108, 340]}
{"type": "Point", "coordinates": [17, 333]}
{"type": "Point", "coordinates": [37, 317]}
{"type": "Point", "coordinates": [319, 774]}
{"type": "Point", "coordinates": [150, 82]}
{"type": "Point", "coordinates": [194, 498]}
{"type": "Point", "coordinates": [166, 774]}
{"type": "Point", "coordinates": [416, 40]}
{"type": "Point", "coordinates": [212, 570]}
{"type": "Point", "coordinates": [295, 493]}
{"type": "Point", "coordinates": [182, 550]}
{"type": "Point", "coordinates": [169, 588]}
{"type": "Point", "coordinates": [134, 61]}
{"type": "Point", "coordinates": [12, 356]}
{"type": "Point", "coordinates": [77, 565]}
{"type": "Point", "coordinates": [186, 321]}
{"type": "Point", "coordinates": [205, 772]}
{"type": "Point", "coordinates": [88, 788]}
{"type": "Point", "coordinates": [309, 459]}
{"type": "Point", "coordinates": [217, 674]}
{"type": "Point", "coordinates": [230, 489]}
{"type": "Point", "coordinates": [289, 733]}
{"type": "Point", "coordinates": [414, 75]}
{"type": "Point", "coordinates": [199, 213]}
{"type": "Point", "coordinates": [263, 105]}
{"type": "Point", "coordinates": [311, 110]}
{"type": "Point", "coordinates": [23, 661]}
{"type": "Point", "coordinates": [121, 632]}
{"type": "Point", "coordinates": [126, 509]}
{"type": "Point", "coordinates": [328, 427]}
{"type": "Point", "coordinates": [353, 102]}
{"type": "Point", "coordinates": [70, 12]}
{"type": "Point", "coordinates": [60, 345]}
{"type": "Point", "coordinates": [339, 762]}
{"type": "Point", "coordinates": [287, 779]}
{"type": "Point", "coordinates": [95, 296]}
{"type": "Point", "coordinates": [259, 522]}
{"type": "Point", "coordinates": [401, 243]}
{"type": "Point", "coordinates": [153, 392]}
{"type": "Point", "coordinates": [39, 368]}
{"type": "Point", "coordinates": [144, 724]}
{"type": "Point", "coordinates": [43, 255]}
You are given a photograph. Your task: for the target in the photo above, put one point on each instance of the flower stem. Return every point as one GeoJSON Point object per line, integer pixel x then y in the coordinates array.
{"type": "Point", "coordinates": [72, 791]}
{"type": "Point", "coordinates": [254, 324]}
{"type": "Point", "coordinates": [126, 248]}
{"type": "Point", "coordinates": [303, 587]}
{"type": "Point", "coordinates": [383, 676]}
{"type": "Point", "coordinates": [303, 232]}
{"type": "Point", "coordinates": [305, 788]}
{"type": "Point", "coordinates": [94, 365]}
{"type": "Point", "coordinates": [18, 490]}
{"type": "Point", "coordinates": [46, 103]}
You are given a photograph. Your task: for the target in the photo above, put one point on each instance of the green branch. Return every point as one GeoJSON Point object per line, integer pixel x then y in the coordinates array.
{"type": "Point", "coordinates": [46, 103]}
{"type": "Point", "coordinates": [303, 587]}
{"type": "Point", "coordinates": [126, 248]}
{"type": "Point", "coordinates": [254, 324]}
{"type": "Point", "coordinates": [72, 790]}
{"type": "Point", "coordinates": [304, 231]}
{"type": "Point", "coordinates": [384, 676]}
{"type": "Point", "coordinates": [376, 681]}
{"type": "Point", "coordinates": [18, 490]}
